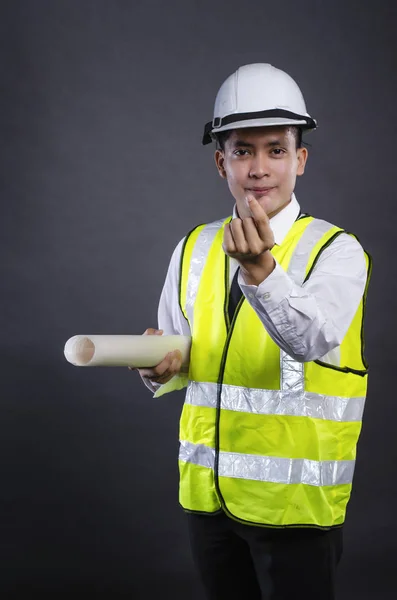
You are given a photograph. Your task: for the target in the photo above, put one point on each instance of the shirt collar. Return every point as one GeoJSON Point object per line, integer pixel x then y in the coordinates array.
{"type": "Point", "coordinates": [282, 222]}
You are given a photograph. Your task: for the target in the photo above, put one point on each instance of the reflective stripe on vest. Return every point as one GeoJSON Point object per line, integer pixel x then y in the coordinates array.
{"type": "Point", "coordinates": [291, 371]}
{"type": "Point", "coordinates": [197, 262]}
{"type": "Point", "coordinates": [275, 402]}
{"type": "Point", "coordinates": [270, 468]}
{"type": "Point", "coordinates": [310, 237]}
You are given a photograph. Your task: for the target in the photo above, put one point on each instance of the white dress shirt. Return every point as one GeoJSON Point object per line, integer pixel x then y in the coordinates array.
{"type": "Point", "coordinates": [308, 322]}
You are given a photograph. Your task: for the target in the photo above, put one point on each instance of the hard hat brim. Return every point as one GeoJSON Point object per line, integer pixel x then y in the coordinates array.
{"type": "Point", "coordinates": [305, 121]}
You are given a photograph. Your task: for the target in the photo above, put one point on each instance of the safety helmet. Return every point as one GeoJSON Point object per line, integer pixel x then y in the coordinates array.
{"type": "Point", "coordinates": [258, 95]}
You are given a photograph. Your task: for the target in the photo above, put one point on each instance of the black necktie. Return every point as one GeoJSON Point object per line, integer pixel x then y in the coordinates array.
{"type": "Point", "coordinates": [234, 296]}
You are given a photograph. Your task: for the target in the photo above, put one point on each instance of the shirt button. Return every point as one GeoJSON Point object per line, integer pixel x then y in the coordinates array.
{"type": "Point", "coordinates": [250, 295]}
{"type": "Point", "coordinates": [266, 296]}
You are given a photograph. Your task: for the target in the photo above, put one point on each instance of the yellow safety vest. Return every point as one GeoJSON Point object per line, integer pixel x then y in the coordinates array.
{"type": "Point", "coordinates": [269, 440]}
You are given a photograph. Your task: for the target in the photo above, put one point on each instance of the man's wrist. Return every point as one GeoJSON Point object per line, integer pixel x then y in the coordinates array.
{"type": "Point", "coordinates": [255, 272]}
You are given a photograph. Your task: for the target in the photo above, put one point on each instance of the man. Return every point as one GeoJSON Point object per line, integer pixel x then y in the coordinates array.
{"type": "Point", "coordinates": [274, 301]}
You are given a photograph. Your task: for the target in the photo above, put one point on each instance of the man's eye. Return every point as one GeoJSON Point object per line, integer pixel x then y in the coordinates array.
{"type": "Point", "coordinates": [278, 151]}
{"type": "Point", "coordinates": [239, 152]}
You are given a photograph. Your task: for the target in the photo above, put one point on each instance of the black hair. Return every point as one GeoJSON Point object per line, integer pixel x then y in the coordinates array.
{"type": "Point", "coordinates": [222, 136]}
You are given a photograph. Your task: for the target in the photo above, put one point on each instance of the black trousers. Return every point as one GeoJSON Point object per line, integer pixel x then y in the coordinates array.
{"type": "Point", "coordinates": [246, 562]}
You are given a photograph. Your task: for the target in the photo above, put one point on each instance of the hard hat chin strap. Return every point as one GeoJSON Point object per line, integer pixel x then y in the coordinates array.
{"type": "Point", "coordinates": [218, 122]}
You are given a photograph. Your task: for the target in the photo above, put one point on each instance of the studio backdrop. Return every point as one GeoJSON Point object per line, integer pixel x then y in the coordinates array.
{"type": "Point", "coordinates": [103, 105]}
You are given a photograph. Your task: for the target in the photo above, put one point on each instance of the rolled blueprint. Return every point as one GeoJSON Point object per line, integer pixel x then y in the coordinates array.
{"type": "Point", "coordinates": [124, 350]}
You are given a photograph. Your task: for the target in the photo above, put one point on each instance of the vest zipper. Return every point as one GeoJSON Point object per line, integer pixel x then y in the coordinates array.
{"type": "Point", "coordinates": [220, 381]}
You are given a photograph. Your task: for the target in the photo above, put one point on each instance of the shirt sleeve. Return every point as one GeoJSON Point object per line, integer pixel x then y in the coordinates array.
{"type": "Point", "coordinates": [169, 315]}
{"type": "Point", "coordinates": [310, 321]}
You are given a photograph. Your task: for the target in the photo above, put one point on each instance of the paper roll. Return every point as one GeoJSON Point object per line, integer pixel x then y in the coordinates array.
{"type": "Point", "coordinates": [124, 350]}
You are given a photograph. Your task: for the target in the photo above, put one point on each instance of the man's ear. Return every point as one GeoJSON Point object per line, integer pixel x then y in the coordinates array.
{"type": "Point", "coordinates": [302, 158]}
{"type": "Point", "coordinates": [220, 161]}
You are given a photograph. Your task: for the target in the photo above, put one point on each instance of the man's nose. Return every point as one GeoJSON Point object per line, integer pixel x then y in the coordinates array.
{"type": "Point", "coordinates": [259, 166]}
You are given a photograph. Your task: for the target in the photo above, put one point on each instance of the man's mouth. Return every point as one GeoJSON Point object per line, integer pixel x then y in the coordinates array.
{"type": "Point", "coordinates": [259, 191]}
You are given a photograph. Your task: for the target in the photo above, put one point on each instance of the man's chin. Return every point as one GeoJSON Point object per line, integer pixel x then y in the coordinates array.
{"type": "Point", "coordinates": [273, 203]}
{"type": "Point", "coordinates": [268, 203]}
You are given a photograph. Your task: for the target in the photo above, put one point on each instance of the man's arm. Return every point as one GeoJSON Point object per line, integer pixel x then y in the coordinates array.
{"type": "Point", "coordinates": [170, 317]}
{"type": "Point", "coordinates": [311, 320]}
{"type": "Point", "coordinates": [307, 321]}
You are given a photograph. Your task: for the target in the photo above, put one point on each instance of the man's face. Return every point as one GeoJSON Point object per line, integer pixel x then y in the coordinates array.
{"type": "Point", "coordinates": [264, 162]}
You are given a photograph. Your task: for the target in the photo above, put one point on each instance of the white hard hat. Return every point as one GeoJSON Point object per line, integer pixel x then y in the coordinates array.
{"type": "Point", "coordinates": [258, 95]}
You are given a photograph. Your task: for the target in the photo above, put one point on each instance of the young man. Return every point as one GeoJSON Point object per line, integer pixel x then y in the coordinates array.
{"type": "Point", "coordinates": [274, 301]}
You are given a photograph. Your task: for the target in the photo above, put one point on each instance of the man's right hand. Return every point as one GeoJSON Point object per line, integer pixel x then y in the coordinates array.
{"type": "Point", "coordinates": [166, 369]}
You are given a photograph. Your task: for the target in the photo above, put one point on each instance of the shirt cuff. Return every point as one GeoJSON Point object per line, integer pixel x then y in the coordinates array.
{"type": "Point", "coordinates": [270, 293]}
{"type": "Point", "coordinates": [151, 385]}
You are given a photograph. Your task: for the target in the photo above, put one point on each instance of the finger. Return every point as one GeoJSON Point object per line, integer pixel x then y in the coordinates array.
{"type": "Point", "coordinates": [157, 371]}
{"type": "Point", "coordinates": [179, 361]}
{"type": "Point", "coordinates": [164, 378]}
{"type": "Point", "coordinates": [238, 234]}
{"type": "Point", "coordinates": [255, 244]}
{"type": "Point", "coordinates": [163, 367]}
{"type": "Point", "coordinates": [160, 369]}
{"type": "Point", "coordinates": [168, 373]}
{"type": "Point", "coordinates": [174, 367]}
{"type": "Point", "coordinates": [178, 355]}
{"type": "Point", "coordinates": [152, 331]}
{"type": "Point", "coordinates": [228, 242]}
{"type": "Point", "coordinates": [260, 217]}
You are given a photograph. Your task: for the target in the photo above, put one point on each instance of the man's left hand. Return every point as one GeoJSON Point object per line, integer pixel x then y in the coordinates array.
{"type": "Point", "coordinates": [249, 241]}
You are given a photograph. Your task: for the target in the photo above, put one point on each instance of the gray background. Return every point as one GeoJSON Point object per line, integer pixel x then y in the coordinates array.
{"type": "Point", "coordinates": [103, 104]}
